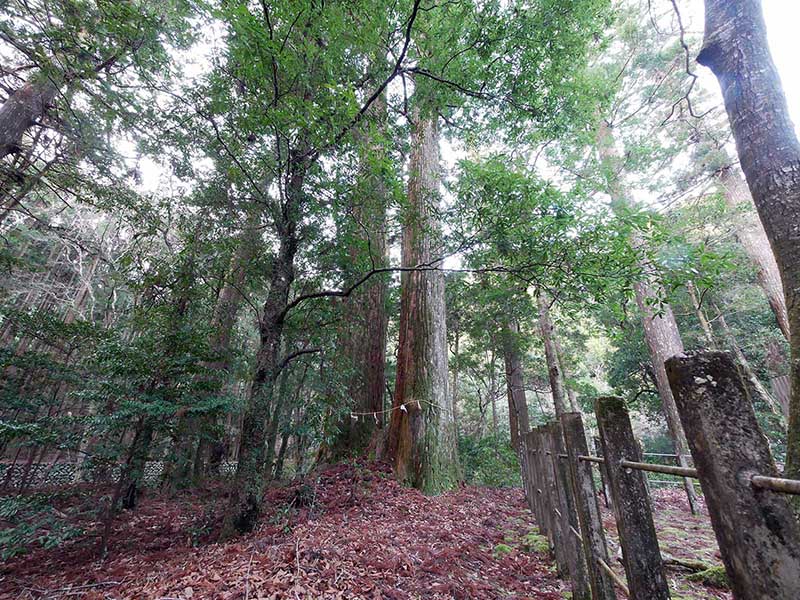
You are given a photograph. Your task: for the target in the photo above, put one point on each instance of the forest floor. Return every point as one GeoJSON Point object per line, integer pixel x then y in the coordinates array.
{"type": "Point", "coordinates": [345, 532]}
{"type": "Point", "coordinates": [682, 536]}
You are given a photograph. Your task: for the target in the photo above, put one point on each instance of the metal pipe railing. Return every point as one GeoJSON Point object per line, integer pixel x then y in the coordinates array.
{"type": "Point", "coordinates": [776, 484]}
{"type": "Point", "coordinates": [667, 469]}
{"type": "Point", "coordinates": [617, 579]}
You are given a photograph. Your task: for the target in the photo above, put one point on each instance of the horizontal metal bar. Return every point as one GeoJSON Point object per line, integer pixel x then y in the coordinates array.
{"type": "Point", "coordinates": [563, 456]}
{"type": "Point", "coordinates": [671, 481]}
{"type": "Point", "coordinates": [668, 469]}
{"type": "Point", "coordinates": [659, 454]}
{"type": "Point", "coordinates": [594, 459]}
{"type": "Point", "coordinates": [776, 484]}
{"type": "Point", "coordinates": [617, 579]}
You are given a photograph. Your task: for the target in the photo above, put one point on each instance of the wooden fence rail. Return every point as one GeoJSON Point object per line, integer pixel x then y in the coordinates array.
{"type": "Point", "coordinates": [758, 537]}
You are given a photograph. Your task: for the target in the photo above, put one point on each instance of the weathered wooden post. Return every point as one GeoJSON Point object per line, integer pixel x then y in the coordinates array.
{"type": "Point", "coordinates": [551, 504]}
{"type": "Point", "coordinates": [523, 467]}
{"type": "Point", "coordinates": [758, 538]}
{"type": "Point", "coordinates": [598, 449]}
{"type": "Point", "coordinates": [533, 476]}
{"type": "Point", "coordinates": [587, 506]}
{"type": "Point", "coordinates": [542, 490]}
{"type": "Point", "coordinates": [637, 533]}
{"type": "Point", "coordinates": [573, 541]}
{"type": "Point", "coordinates": [535, 484]}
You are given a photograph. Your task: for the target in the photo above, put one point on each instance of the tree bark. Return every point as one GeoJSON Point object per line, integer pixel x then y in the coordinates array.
{"type": "Point", "coordinates": [422, 438]}
{"type": "Point", "coordinates": [753, 239]}
{"type": "Point", "coordinates": [736, 49]}
{"type": "Point", "coordinates": [22, 110]}
{"type": "Point", "coordinates": [249, 480]}
{"type": "Point", "coordinates": [363, 339]}
{"type": "Point", "coordinates": [661, 332]}
{"type": "Point", "coordinates": [551, 356]}
{"type": "Point", "coordinates": [515, 386]}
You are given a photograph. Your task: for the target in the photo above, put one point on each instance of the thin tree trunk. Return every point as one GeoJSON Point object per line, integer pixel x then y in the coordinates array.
{"type": "Point", "coordinates": [661, 332]}
{"type": "Point", "coordinates": [736, 49]}
{"type": "Point", "coordinates": [573, 400]}
{"type": "Point", "coordinates": [551, 356]}
{"type": "Point", "coordinates": [515, 386]}
{"type": "Point", "coordinates": [455, 378]}
{"type": "Point", "coordinates": [422, 438]}
{"type": "Point", "coordinates": [249, 480]}
{"type": "Point", "coordinates": [493, 390]}
{"type": "Point", "coordinates": [226, 310]}
{"type": "Point", "coordinates": [748, 371]}
{"type": "Point", "coordinates": [664, 341]}
{"type": "Point", "coordinates": [281, 455]}
{"type": "Point", "coordinates": [708, 333]}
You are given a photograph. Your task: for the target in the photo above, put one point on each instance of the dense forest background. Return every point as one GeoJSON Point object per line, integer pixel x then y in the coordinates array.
{"type": "Point", "coordinates": [241, 240]}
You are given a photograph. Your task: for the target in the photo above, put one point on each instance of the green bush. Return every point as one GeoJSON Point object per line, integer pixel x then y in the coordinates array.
{"type": "Point", "coordinates": [28, 521]}
{"type": "Point", "coordinates": [489, 461]}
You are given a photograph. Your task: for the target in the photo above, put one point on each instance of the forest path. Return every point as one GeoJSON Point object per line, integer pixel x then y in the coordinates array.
{"type": "Point", "coordinates": [347, 532]}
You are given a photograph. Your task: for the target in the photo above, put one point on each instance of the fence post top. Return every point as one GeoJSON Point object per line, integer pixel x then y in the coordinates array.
{"type": "Point", "coordinates": [609, 404]}
{"type": "Point", "coordinates": [699, 357]}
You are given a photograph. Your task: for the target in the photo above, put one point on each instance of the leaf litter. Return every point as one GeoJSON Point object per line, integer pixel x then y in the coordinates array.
{"type": "Point", "coordinates": [344, 532]}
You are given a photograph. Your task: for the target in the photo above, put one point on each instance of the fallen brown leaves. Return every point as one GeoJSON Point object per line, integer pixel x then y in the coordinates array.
{"type": "Point", "coordinates": [347, 532]}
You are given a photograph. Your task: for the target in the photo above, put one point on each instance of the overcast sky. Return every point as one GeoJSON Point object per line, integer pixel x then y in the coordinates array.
{"type": "Point", "coordinates": [783, 17]}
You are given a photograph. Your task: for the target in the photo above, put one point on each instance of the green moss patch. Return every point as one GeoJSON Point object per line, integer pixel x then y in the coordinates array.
{"type": "Point", "coordinates": [712, 577]}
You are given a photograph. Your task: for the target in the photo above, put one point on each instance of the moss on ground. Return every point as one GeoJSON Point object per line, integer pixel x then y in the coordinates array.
{"type": "Point", "coordinates": [533, 541]}
{"type": "Point", "coordinates": [712, 577]}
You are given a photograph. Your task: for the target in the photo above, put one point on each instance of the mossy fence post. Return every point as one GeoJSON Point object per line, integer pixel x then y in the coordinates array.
{"type": "Point", "coordinates": [567, 516]}
{"type": "Point", "coordinates": [552, 504]}
{"type": "Point", "coordinates": [758, 537]}
{"type": "Point", "coordinates": [587, 506]}
{"type": "Point", "coordinates": [637, 533]}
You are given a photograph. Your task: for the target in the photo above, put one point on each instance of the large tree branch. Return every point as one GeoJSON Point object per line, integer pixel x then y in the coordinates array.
{"type": "Point", "coordinates": [290, 357]}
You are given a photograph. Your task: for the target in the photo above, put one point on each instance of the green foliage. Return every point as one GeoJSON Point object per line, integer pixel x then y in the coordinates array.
{"type": "Point", "coordinates": [30, 521]}
{"type": "Point", "coordinates": [488, 461]}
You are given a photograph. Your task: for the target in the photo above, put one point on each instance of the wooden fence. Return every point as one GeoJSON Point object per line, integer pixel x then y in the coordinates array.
{"type": "Point", "coordinates": [757, 534]}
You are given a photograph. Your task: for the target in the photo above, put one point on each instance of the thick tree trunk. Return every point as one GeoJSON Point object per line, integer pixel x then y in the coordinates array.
{"type": "Point", "coordinates": [22, 110]}
{"type": "Point", "coordinates": [664, 341]}
{"type": "Point", "coordinates": [753, 239]}
{"type": "Point", "coordinates": [422, 438]}
{"type": "Point", "coordinates": [551, 356]}
{"type": "Point", "coordinates": [363, 339]}
{"type": "Point", "coordinates": [515, 386]}
{"type": "Point", "coordinates": [736, 49]}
